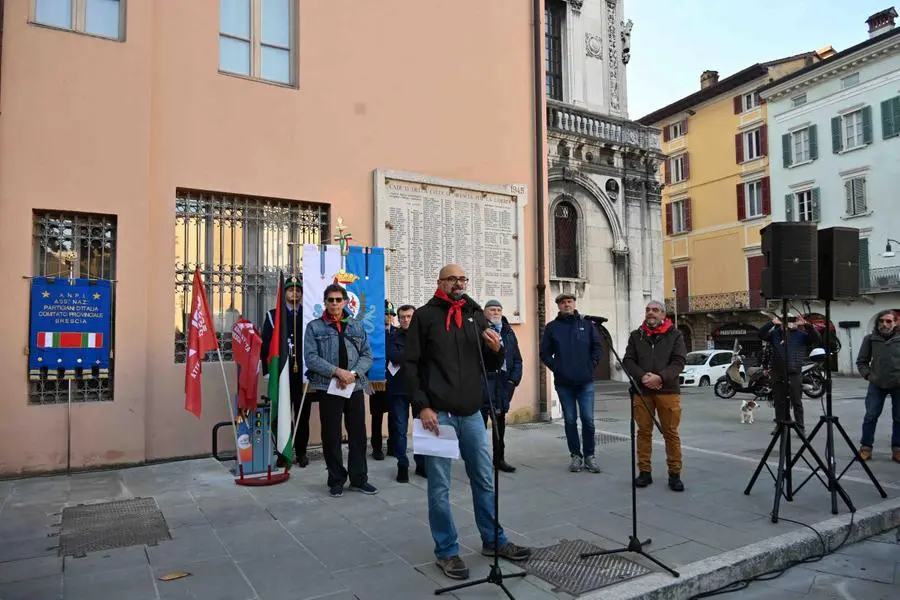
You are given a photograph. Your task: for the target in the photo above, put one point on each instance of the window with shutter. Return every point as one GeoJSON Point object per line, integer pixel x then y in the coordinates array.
{"type": "Point", "coordinates": [812, 134]}
{"type": "Point", "coordinates": [684, 127]}
{"type": "Point", "coordinates": [853, 129]}
{"type": "Point", "coordinates": [789, 207]}
{"type": "Point", "coordinates": [766, 196]}
{"type": "Point", "coordinates": [688, 218]}
{"type": "Point", "coordinates": [686, 166]}
{"type": "Point", "coordinates": [678, 216]}
{"type": "Point", "coordinates": [754, 197]}
{"type": "Point", "coordinates": [741, 200]}
{"type": "Point", "coordinates": [738, 109]}
{"type": "Point", "coordinates": [866, 124]}
{"type": "Point", "coordinates": [803, 205]}
{"type": "Point", "coordinates": [669, 163]}
{"type": "Point", "coordinates": [666, 134]}
{"type": "Point", "coordinates": [865, 283]}
{"type": "Point", "coordinates": [739, 148]}
{"type": "Point", "coordinates": [787, 151]}
{"type": "Point", "coordinates": [763, 140]}
{"type": "Point", "coordinates": [855, 190]}
{"type": "Point", "coordinates": [814, 202]}
{"type": "Point", "coordinates": [669, 226]}
{"type": "Point", "coordinates": [800, 148]}
{"type": "Point", "coordinates": [890, 117]}
{"type": "Point", "coordinates": [836, 143]}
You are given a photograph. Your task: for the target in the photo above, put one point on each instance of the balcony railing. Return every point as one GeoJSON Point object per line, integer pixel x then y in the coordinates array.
{"type": "Point", "coordinates": [577, 121]}
{"type": "Point", "coordinates": [884, 279]}
{"type": "Point", "coordinates": [722, 302]}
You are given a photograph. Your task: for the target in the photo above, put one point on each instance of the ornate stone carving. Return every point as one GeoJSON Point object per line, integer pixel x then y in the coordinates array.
{"type": "Point", "coordinates": [593, 45]}
{"type": "Point", "coordinates": [626, 41]}
{"type": "Point", "coordinates": [634, 184]}
{"type": "Point", "coordinates": [576, 4]}
{"type": "Point", "coordinates": [613, 62]}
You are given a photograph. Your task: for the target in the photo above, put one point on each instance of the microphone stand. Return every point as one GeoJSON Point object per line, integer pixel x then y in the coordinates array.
{"type": "Point", "coordinates": [495, 575]}
{"type": "Point", "coordinates": [634, 543]}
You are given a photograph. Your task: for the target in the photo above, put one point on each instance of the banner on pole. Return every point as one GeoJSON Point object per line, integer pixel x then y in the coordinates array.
{"type": "Point", "coordinates": [70, 327]}
{"type": "Point", "coordinates": [362, 275]}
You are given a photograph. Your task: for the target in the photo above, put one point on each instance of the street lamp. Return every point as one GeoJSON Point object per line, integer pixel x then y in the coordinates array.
{"type": "Point", "coordinates": [888, 251]}
{"type": "Point", "coordinates": [675, 303]}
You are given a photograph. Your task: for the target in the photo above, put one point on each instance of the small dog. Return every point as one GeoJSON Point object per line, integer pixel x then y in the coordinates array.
{"type": "Point", "coordinates": [747, 408]}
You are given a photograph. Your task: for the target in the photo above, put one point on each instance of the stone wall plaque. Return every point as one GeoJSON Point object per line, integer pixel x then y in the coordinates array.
{"type": "Point", "coordinates": [425, 222]}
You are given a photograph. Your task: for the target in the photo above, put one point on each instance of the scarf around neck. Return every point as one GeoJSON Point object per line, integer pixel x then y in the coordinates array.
{"type": "Point", "coordinates": [337, 321]}
{"type": "Point", "coordinates": [455, 311]}
{"type": "Point", "coordinates": [660, 329]}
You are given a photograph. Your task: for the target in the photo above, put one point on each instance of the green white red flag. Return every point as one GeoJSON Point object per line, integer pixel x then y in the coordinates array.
{"type": "Point", "coordinates": [280, 380]}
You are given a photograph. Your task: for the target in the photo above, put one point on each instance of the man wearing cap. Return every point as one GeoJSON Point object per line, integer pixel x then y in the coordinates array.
{"type": "Point", "coordinates": [379, 402]}
{"type": "Point", "coordinates": [398, 398]}
{"type": "Point", "coordinates": [570, 347]}
{"type": "Point", "coordinates": [502, 382]}
{"type": "Point", "coordinates": [293, 321]}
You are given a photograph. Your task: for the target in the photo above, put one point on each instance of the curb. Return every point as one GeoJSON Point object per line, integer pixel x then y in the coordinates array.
{"type": "Point", "coordinates": [749, 561]}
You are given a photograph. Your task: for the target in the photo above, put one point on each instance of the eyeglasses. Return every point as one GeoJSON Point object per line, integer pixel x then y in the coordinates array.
{"type": "Point", "coordinates": [334, 300]}
{"type": "Point", "coordinates": [454, 279]}
{"type": "Point", "coordinates": [885, 320]}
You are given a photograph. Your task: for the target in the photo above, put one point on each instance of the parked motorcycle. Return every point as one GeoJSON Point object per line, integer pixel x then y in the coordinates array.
{"type": "Point", "coordinates": [813, 375]}
{"type": "Point", "coordinates": [758, 383]}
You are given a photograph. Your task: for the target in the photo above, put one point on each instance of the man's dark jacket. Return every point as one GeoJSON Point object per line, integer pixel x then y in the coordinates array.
{"type": "Point", "coordinates": [442, 369]}
{"type": "Point", "coordinates": [291, 319]}
{"type": "Point", "coordinates": [663, 354]}
{"type": "Point", "coordinates": [571, 348]}
{"type": "Point", "coordinates": [393, 347]}
{"type": "Point", "coordinates": [799, 343]}
{"type": "Point", "coordinates": [879, 360]}
{"type": "Point", "coordinates": [503, 382]}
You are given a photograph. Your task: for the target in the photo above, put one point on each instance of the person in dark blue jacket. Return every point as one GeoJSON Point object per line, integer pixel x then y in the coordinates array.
{"type": "Point", "coordinates": [398, 400]}
{"type": "Point", "coordinates": [788, 393]}
{"type": "Point", "coordinates": [570, 347]}
{"type": "Point", "coordinates": [502, 382]}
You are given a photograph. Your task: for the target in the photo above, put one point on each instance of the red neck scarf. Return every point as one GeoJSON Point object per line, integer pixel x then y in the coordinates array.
{"type": "Point", "coordinates": [337, 321]}
{"type": "Point", "coordinates": [455, 308]}
{"type": "Point", "coordinates": [658, 330]}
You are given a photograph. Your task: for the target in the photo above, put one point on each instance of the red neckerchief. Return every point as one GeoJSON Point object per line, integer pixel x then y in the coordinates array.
{"type": "Point", "coordinates": [455, 308]}
{"type": "Point", "coordinates": [658, 330]}
{"type": "Point", "coordinates": [336, 321]}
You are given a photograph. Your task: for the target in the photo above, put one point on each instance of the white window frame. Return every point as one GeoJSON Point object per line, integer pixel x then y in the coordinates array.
{"type": "Point", "coordinates": [855, 195]}
{"type": "Point", "coordinates": [852, 130]}
{"type": "Point", "coordinates": [256, 45]}
{"type": "Point", "coordinates": [803, 213]}
{"type": "Point", "coordinates": [79, 19]}
{"type": "Point", "coordinates": [752, 144]}
{"type": "Point", "coordinates": [677, 164]}
{"type": "Point", "coordinates": [753, 199]}
{"type": "Point", "coordinates": [798, 100]}
{"type": "Point", "coordinates": [800, 149]}
{"type": "Point", "coordinates": [749, 101]}
{"type": "Point", "coordinates": [850, 80]}
{"type": "Point", "coordinates": [679, 225]}
{"type": "Point", "coordinates": [676, 130]}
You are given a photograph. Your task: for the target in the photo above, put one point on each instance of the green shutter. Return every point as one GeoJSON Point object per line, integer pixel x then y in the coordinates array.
{"type": "Point", "coordinates": [786, 155]}
{"type": "Point", "coordinates": [836, 143]}
{"type": "Point", "coordinates": [814, 196]}
{"type": "Point", "coordinates": [864, 283]}
{"type": "Point", "coordinates": [813, 142]}
{"type": "Point", "coordinates": [890, 117]}
{"type": "Point", "coordinates": [788, 207]}
{"type": "Point", "coordinates": [867, 124]}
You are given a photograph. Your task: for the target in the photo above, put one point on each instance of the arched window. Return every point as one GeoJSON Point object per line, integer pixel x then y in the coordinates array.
{"type": "Point", "coordinates": [565, 228]}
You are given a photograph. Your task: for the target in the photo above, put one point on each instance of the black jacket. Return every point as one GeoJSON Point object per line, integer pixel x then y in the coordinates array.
{"type": "Point", "coordinates": [293, 322]}
{"type": "Point", "coordinates": [799, 343]}
{"type": "Point", "coordinates": [663, 354]}
{"type": "Point", "coordinates": [441, 367]}
{"type": "Point", "coordinates": [879, 360]}
{"type": "Point", "coordinates": [571, 348]}
{"type": "Point", "coordinates": [393, 349]}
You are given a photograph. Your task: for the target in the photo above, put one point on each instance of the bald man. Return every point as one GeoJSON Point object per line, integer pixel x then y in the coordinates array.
{"type": "Point", "coordinates": [443, 377]}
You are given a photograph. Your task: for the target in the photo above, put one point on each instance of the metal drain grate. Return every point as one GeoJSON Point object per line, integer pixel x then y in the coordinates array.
{"type": "Point", "coordinates": [605, 438]}
{"type": "Point", "coordinates": [561, 565]}
{"type": "Point", "coordinates": [536, 425]}
{"type": "Point", "coordinates": [119, 524]}
{"type": "Point", "coordinates": [607, 419]}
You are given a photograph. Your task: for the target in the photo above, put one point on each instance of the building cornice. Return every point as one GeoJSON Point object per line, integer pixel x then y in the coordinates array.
{"type": "Point", "coordinates": [829, 70]}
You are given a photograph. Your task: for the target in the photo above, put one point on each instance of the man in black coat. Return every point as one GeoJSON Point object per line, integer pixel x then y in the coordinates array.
{"type": "Point", "coordinates": [293, 321]}
{"type": "Point", "coordinates": [447, 341]}
{"type": "Point", "coordinates": [502, 382]}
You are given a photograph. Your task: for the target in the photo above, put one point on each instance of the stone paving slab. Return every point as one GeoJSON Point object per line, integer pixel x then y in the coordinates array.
{"type": "Point", "coordinates": [294, 541]}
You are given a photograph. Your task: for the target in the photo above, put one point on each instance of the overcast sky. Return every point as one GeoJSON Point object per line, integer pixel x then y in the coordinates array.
{"type": "Point", "coordinates": [673, 41]}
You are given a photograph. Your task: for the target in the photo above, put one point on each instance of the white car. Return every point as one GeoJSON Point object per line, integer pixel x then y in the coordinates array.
{"type": "Point", "coordinates": [704, 367]}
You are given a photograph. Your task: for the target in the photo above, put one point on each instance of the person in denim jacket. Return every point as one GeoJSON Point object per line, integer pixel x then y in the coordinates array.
{"type": "Point", "coordinates": [336, 347]}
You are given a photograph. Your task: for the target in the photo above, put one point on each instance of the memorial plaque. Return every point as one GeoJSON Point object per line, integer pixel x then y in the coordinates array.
{"type": "Point", "coordinates": [424, 223]}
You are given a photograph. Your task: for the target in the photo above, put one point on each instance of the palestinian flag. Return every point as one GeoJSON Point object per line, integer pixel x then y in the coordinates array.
{"type": "Point", "coordinates": [69, 339]}
{"type": "Point", "coordinates": [280, 380]}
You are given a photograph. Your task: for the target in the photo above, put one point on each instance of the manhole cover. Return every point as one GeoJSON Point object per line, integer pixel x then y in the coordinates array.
{"type": "Point", "coordinates": [119, 524]}
{"type": "Point", "coordinates": [607, 419]}
{"type": "Point", "coordinates": [561, 565]}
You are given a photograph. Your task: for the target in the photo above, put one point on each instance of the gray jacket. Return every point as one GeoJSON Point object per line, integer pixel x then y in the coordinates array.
{"type": "Point", "coordinates": [321, 348]}
{"type": "Point", "coordinates": [879, 360]}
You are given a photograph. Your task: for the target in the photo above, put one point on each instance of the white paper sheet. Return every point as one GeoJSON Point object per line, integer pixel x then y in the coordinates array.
{"type": "Point", "coordinates": [344, 392]}
{"type": "Point", "coordinates": [445, 445]}
{"type": "Point", "coordinates": [392, 368]}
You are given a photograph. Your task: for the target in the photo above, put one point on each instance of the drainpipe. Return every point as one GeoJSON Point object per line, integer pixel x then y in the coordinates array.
{"type": "Point", "coordinates": [540, 175]}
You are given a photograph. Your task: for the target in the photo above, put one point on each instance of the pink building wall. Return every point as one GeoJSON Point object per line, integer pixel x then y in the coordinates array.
{"type": "Point", "coordinates": [443, 88]}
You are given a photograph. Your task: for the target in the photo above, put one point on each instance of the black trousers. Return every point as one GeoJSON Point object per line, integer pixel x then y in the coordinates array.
{"type": "Point", "coordinates": [353, 411]}
{"type": "Point", "coordinates": [788, 395]}
{"type": "Point", "coordinates": [499, 444]}
{"type": "Point", "coordinates": [379, 406]}
{"type": "Point", "coordinates": [301, 442]}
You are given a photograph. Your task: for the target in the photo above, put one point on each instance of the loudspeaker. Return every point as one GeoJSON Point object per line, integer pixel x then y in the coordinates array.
{"type": "Point", "coordinates": [838, 263]}
{"type": "Point", "coordinates": [791, 252]}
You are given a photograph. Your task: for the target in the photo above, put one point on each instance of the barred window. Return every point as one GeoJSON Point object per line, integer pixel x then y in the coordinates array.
{"type": "Point", "coordinates": [565, 229]}
{"type": "Point", "coordinates": [240, 244]}
{"type": "Point", "coordinates": [82, 246]}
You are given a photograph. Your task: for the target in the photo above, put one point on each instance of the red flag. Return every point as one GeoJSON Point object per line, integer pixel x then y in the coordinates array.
{"type": "Point", "coordinates": [201, 339]}
{"type": "Point", "coordinates": [246, 346]}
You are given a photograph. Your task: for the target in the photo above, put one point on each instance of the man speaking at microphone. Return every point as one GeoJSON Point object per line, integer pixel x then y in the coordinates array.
{"type": "Point", "coordinates": [444, 379]}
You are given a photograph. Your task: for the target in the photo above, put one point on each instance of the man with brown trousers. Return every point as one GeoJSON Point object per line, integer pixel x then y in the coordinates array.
{"type": "Point", "coordinates": [654, 358]}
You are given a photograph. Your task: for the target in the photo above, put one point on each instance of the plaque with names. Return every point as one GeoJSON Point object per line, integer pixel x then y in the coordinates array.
{"type": "Point", "coordinates": [424, 223]}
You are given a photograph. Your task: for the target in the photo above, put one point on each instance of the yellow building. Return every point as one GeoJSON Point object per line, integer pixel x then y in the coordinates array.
{"type": "Point", "coordinates": [716, 199]}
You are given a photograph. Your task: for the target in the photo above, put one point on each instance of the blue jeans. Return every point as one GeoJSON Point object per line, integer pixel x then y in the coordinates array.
{"type": "Point", "coordinates": [575, 400]}
{"type": "Point", "coordinates": [398, 415]}
{"type": "Point", "coordinates": [875, 398]}
{"type": "Point", "coordinates": [475, 450]}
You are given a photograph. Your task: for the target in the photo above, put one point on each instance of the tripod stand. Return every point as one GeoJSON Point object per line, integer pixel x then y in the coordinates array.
{"type": "Point", "coordinates": [495, 575]}
{"type": "Point", "coordinates": [634, 543]}
{"type": "Point", "coordinates": [783, 435]}
{"type": "Point", "coordinates": [831, 422]}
